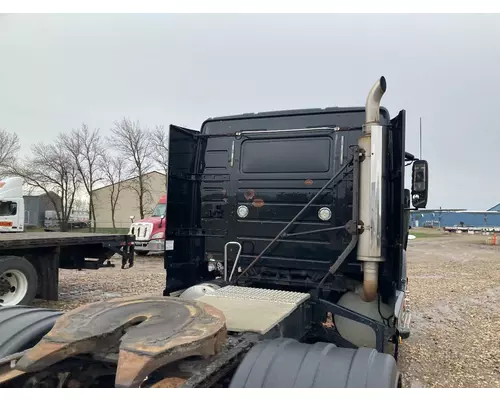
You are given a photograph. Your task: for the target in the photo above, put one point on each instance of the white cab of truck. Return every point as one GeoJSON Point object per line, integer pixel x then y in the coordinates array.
{"type": "Point", "coordinates": [11, 205]}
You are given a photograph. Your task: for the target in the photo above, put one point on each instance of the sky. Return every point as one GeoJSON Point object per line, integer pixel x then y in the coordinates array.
{"type": "Point", "coordinates": [60, 70]}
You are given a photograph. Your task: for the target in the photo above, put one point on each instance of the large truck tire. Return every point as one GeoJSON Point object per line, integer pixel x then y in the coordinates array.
{"type": "Point", "coordinates": [22, 327]}
{"type": "Point", "coordinates": [287, 363]}
{"type": "Point", "coordinates": [18, 281]}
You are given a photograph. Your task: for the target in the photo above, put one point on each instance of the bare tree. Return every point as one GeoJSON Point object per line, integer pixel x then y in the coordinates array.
{"type": "Point", "coordinates": [114, 174]}
{"type": "Point", "coordinates": [160, 141]}
{"type": "Point", "coordinates": [9, 147]}
{"type": "Point", "coordinates": [134, 144]}
{"type": "Point", "coordinates": [81, 204]}
{"type": "Point", "coordinates": [86, 148]}
{"type": "Point", "coordinates": [51, 169]}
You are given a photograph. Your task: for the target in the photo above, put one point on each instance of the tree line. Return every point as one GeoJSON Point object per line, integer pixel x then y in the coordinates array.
{"type": "Point", "coordinates": [83, 159]}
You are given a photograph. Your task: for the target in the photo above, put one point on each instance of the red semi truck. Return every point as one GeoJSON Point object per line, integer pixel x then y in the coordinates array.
{"type": "Point", "coordinates": [150, 232]}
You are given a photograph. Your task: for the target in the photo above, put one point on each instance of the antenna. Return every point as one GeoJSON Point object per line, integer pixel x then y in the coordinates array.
{"type": "Point", "coordinates": [420, 138]}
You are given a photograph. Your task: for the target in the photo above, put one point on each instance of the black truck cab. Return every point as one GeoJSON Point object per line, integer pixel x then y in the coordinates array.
{"type": "Point", "coordinates": [244, 178]}
{"type": "Point", "coordinates": [302, 200]}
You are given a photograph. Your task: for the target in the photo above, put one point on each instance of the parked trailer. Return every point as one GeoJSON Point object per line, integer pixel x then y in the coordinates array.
{"type": "Point", "coordinates": [286, 265]}
{"type": "Point", "coordinates": [30, 262]}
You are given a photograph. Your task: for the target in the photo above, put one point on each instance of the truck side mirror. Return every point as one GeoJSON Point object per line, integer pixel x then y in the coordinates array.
{"type": "Point", "coordinates": [419, 183]}
{"type": "Point", "coordinates": [161, 219]}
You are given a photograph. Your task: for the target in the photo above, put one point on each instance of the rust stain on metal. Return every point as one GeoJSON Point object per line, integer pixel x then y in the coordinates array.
{"type": "Point", "coordinates": [8, 369]}
{"type": "Point", "coordinates": [170, 382]}
{"type": "Point", "coordinates": [308, 182]}
{"type": "Point", "coordinates": [9, 375]}
{"type": "Point", "coordinates": [149, 332]}
{"type": "Point", "coordinates": [134, 367]}
{"type": "Point", "coordinates": [249, 194]}
{"type": "Point", "coordinates": [329, 321]}
{"type": "Point", "coordinates": [258, 203]}
{"type": "Point", "coordinates": [47, 353]}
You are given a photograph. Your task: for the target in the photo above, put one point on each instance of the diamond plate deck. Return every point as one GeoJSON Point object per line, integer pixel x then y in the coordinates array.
{"type": "Point", "coordinates": [254, 310]}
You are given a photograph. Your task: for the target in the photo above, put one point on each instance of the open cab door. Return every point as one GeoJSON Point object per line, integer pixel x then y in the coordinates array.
{"type": "Point", "coordinates": [183, 208]}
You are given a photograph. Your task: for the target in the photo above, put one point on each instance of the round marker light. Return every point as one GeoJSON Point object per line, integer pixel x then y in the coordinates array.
{"type": "Point", "coordinates": [242, 211]}
{"type": "Point", "coordinates": [324, 214]}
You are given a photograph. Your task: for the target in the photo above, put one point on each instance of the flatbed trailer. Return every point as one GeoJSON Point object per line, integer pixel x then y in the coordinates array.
{"type": "Point", "coordinates": [30, 261]}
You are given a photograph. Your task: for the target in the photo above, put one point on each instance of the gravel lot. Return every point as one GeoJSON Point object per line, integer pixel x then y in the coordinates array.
{"type": "Point", "coordinates": [454, 283]}
{"type": "Point", "coordinates": [146, 277]}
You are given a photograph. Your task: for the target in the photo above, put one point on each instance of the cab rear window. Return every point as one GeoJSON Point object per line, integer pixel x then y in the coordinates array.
{"type": "Point", "coordinates": [285, 155]}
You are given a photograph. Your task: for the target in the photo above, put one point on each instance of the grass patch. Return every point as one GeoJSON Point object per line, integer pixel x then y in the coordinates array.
{"type": "Point", "coordinates": [420, 235]}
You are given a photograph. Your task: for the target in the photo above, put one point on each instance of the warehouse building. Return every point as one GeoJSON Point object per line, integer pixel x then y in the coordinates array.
{"type": "Point", "coordinates": [128, 202]}
{"type": "Point", "coordinates": [458, 217]}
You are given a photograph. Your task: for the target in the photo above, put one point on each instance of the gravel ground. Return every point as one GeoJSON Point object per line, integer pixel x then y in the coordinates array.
{"type": "Point", "coordinates": [146, 277]}
{"type": "Point", "coordinates": [454, 284]}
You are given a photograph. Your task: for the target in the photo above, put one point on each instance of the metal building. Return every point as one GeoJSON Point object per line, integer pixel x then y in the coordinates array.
{"type": "Point", "coordinates": [456, 217]}
{"type": "Point", "coordinates": [35, 207]}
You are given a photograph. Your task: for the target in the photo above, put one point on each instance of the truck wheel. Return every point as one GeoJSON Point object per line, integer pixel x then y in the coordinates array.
{"type": "Point", "coordinates": [18, 281]}
{"type": "Point", "coordinates": [22, 327]}
{"type": "Point", "coordinates": [141, 252]}
{"type": "Point", "coordinates": [287, 363]}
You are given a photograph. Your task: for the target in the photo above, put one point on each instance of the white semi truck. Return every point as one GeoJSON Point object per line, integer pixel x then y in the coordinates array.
{"type": "Point", "coordinates": [11, 205]}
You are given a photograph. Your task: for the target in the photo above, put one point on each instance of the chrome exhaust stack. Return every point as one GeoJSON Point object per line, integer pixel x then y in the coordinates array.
{"type": "Point", "coordinates": [371, 192]}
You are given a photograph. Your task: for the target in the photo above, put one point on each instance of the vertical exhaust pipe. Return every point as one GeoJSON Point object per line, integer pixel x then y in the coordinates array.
{"type": "Point", "coordinates": [372, 107]}
{"type": "Point", "coordinates": [371, 193]}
